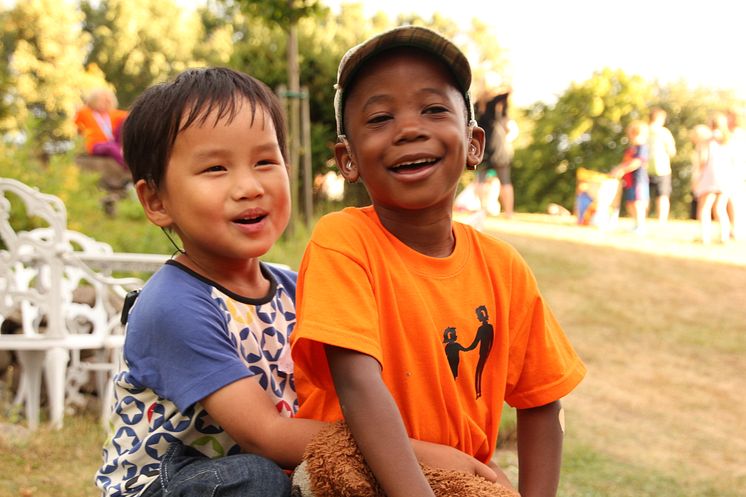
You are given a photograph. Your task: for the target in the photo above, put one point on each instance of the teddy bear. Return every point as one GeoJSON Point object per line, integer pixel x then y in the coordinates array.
{"type": "Point", "coordinates": [334, 467]}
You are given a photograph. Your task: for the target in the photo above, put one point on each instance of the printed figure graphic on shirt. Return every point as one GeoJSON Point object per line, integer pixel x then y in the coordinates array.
{"type": "Point", "coordinates": [452, 349]}
{"type": "Point", "coordinates": [485, 337]}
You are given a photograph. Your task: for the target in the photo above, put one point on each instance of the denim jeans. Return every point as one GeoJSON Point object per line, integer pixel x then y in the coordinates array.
{"type": "Point", "coordinates": [185, 472]}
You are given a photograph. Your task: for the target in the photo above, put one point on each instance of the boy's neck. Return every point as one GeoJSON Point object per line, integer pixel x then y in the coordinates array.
{"type": "Point", "coordinates": [430, 234]}
{"type": "Point", "coordinates": [244, 278]}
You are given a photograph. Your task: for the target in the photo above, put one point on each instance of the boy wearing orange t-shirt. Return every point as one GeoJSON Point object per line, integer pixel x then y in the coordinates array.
{"type": "Point", "coordinates": [414, 324]}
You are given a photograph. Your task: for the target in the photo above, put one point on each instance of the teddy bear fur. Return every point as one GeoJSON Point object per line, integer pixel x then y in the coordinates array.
{"type": "Point", "coordinates": [334, 467]}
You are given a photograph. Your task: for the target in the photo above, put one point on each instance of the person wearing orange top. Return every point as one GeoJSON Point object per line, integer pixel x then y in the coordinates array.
{"type": "Point", "coordinates": [100, 123]}
{"type": "Point", "coordinates": [411, 324]}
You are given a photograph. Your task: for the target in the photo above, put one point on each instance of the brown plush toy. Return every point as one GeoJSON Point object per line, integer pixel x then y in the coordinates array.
{"type": "Point", "coordinates": [334, 467]}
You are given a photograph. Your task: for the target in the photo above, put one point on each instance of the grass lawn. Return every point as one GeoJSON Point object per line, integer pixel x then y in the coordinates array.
{"type": "Point", "coordinates": [660, 413]}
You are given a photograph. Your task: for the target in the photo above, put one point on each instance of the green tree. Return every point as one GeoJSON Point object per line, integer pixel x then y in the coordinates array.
{"type": "Point", "coordinates": [584, 128]}
{"type": "Point", "coordinates": [7, 46]}
{"type": "Point", "coordinates": [220, 31]}
{"type": "Point", "coordinates": [486, 55]}
{"type": "Point", "coordinates": [137, 43]}
{"type": "Point", "coordinates": [42, 71]}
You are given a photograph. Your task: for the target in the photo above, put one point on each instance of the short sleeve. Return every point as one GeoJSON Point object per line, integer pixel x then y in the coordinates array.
{"type": "Point", "coordinates": [544, 367]}
{"type": "Point", "coordinates": [177, 343]}
{"type": "Point", "coordinates": [336, 306]}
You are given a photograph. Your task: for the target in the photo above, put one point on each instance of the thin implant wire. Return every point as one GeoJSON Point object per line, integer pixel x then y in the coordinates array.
{"type": "Point", "coordinates": [179, 250]}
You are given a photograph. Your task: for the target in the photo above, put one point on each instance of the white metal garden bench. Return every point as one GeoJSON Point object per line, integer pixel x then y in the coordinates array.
{"type": "Point", "coordinates": [41, 270]}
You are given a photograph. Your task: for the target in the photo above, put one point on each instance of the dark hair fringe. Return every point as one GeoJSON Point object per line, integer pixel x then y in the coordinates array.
{"type": "Point", "coordinates": [164, 110]}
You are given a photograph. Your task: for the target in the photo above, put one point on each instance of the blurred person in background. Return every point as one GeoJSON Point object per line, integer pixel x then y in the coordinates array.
{"type": "Point", "coordinates": [100, 122]}
{"type": "Point", "coordinates": [700, 136]}
{"type": "Point", "coordinates": [661, 148]}
{"type": "Point", "coordinates": [736, 206]}
{"type": "Point", "coordinates": [715, 180]}
{"type": "Point", "coordinates": [633, 171]}
{"type": "Point", "coordinates": [500, 133]}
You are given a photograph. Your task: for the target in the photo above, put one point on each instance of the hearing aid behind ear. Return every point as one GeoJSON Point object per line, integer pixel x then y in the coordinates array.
{"type": "Point", "coordinates": [470, 126]}
{"type": "Point", "coordinates": [343, 139]}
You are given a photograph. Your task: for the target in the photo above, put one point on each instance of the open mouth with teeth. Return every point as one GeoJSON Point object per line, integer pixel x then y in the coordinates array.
{"type": "Point", "coordinates": [249, 220]}
{"type": "Point", "coordinates": [414, 165]}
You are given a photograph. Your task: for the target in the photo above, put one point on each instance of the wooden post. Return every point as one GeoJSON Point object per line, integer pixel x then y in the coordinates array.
{"type": "Point", "coordinates": [282, 95]}
{"type": "Point", "coordinates": [307, 164]}
{"type": "Point", "coordinates": [293, 122]}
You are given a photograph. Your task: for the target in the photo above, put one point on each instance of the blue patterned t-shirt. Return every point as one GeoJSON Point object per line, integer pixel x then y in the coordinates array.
{"type": "Point", "coordinates": [186, 338]}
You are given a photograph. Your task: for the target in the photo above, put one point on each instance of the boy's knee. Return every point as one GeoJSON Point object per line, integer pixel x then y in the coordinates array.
{"type": "Point", "coordinates": [249, 475]}
{"type": "Point", "coordinates": [261, 476]}
{"type": "Point", "coordinates": [187, 473]}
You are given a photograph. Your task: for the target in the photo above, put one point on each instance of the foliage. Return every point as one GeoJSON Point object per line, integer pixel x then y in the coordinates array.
{"type": "Point", "coordinates": [127, 231]}
{"type": "Point", "coordinates": [585, 128]}
{"type": "Point", "coordinates": [129, 45]}
{"type": "Point", "coordinates": [488, 59]}
{"type": "Point", "coordinates": [140, 42]}
{"type": "Point", "coordinates": [283, 13]}
{"type": "Point", "coordinates": [43, 62]}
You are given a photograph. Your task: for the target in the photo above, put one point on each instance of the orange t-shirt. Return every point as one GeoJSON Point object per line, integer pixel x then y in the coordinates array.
{"type": "Point", "coordinates": [91, 129]}
{"type": "Point", "coordinates": [455, 336]}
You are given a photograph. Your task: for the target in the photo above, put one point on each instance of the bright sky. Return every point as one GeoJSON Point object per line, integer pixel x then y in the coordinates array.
{"type": "Point", "coordinates": [551, 43]}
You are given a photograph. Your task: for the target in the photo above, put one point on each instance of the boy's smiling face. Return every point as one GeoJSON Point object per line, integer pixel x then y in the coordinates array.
{"type": "Point", "coordinates": [226, 189]}
{"type": "Point", "coordinates": [407, 132]}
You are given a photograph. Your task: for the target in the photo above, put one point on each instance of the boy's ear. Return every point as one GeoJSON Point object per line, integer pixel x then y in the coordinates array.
{"type": "Point", "coordinates": [152, 204]}
{"type": "Point", "coordinates": [344, 160]}
{"type": "Point", "coordinates": [475, 147]}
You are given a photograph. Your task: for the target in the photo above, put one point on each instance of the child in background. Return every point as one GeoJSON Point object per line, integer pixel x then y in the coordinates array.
{"type": "Point", "coordinates": [205, 400]}
{"type": "Point", "coordinates": [737, 201]}
{"type": "Point", "coordinates": [100, 124]}
{"type": "Point", "coordinates": [409, 323]}
{"type": "Point", "coordinates": [716, 179]}
{"type": "Point", "coordinates": [632, 170]}
{"type": "Point", "coordinates": [661, 149]}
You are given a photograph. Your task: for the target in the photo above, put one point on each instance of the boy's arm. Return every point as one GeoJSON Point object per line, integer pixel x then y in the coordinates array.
{"type": "Point", "coordinates": [670, 143]}
{"type": "Point", "coordinates": [247, 414]}
{"type": "Point", "coordinates": [626, 167]}
{"type": "Point", "coordinates": [446, 457]}
{"type": "Point", "coordinates": [540, 433]}
{"type": "Point", "coordinates": [375, 423]}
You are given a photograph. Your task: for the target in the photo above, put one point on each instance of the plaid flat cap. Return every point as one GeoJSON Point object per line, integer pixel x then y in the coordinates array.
{"type": "Point", "coordinates": [402, 36]}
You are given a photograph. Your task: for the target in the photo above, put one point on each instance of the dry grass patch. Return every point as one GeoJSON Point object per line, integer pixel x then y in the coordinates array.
{"type": "Point", "coordinates": [664, 340]}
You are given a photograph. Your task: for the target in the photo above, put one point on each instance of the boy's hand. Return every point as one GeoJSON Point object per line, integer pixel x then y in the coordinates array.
{"type": "Point", "coordinates": [445, 457]}
{"type": "Point", "coordinates": [502, 478]}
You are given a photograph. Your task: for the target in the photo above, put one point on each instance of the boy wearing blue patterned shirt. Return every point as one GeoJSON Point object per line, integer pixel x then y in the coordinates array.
{"type": "Point", "coordinates": [205, 399]}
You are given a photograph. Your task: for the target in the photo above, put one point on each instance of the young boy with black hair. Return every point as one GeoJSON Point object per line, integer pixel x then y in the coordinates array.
{"type": "Point", "coordinates": [205, 400]}
{"type": "Point", "coordinates": [434, 325]}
